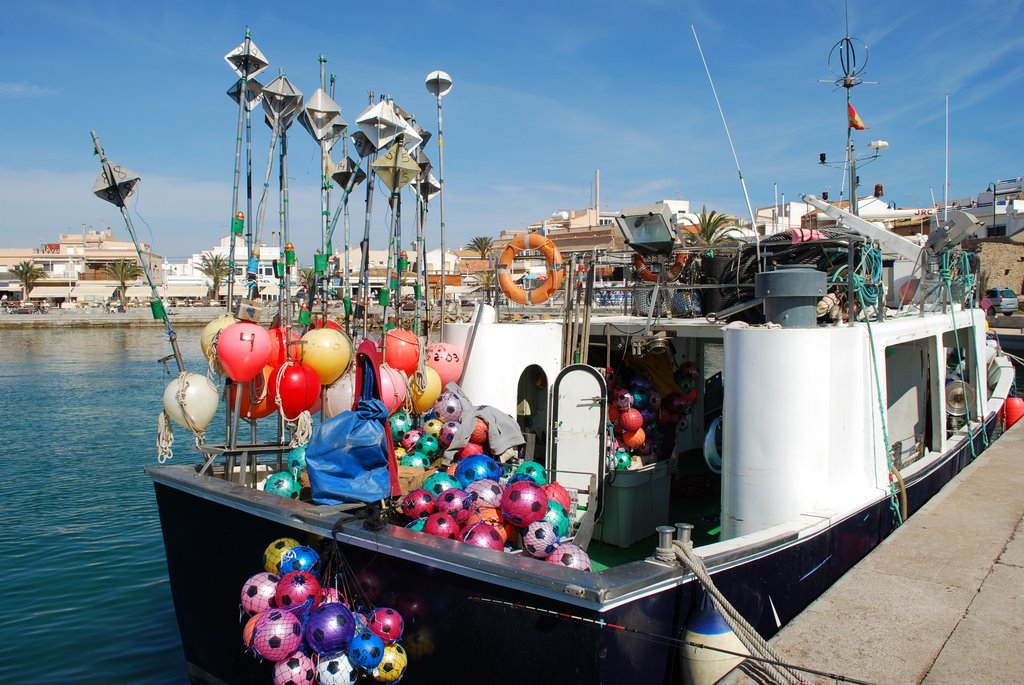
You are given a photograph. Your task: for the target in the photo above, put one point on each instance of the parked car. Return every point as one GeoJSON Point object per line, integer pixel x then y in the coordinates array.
{"type": "Point", "coordinates": [1003, 300]}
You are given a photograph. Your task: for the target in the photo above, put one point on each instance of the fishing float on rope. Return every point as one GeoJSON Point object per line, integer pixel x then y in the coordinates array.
{"type": "Point", "coordinates": [247, 61]}
{"type": "Point", "coordinates": [439, 84]}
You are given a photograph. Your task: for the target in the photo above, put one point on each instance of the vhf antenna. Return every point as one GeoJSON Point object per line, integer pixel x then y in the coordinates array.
{"type": "Point", "coordinates": [848, 75]}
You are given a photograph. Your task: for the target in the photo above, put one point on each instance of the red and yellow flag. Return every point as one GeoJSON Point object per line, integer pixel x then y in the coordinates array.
{"type": "Point", "coordinates": [855, 121]}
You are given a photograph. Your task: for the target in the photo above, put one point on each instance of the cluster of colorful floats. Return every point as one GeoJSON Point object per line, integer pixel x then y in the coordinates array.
{"type": "Point", "coordinates": [312, 631]}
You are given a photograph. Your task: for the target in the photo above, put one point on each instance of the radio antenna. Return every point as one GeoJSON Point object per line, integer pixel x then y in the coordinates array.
{"type": "Point", "coordinates": [736, 159]}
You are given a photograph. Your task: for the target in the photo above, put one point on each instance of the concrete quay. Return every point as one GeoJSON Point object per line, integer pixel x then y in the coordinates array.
{"type": "Point", "coordinates": [941, 600]}
{"type": "Point", "coordinates": [98, 317]}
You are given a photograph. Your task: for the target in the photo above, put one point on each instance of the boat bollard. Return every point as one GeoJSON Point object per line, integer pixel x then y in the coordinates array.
{"type": "Point", "coordinates": [684, 533]}
{"type": "Point", "coordinates": [664, 553]}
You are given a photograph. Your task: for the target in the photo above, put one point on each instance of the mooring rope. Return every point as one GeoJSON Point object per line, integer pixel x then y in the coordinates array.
{"type": "Point", "coordinates": [664, 639]}
{"type": "Point", "coordinates": [750, 638]}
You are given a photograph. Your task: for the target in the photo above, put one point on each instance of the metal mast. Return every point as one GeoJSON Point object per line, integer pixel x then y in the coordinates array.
{"type": "Point", "coordinates": [848, 76]}
{"type": "Point", "coordinates": [439, 84]}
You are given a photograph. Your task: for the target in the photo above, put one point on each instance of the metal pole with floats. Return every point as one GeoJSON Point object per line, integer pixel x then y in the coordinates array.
{"type": "Point", "coordinates": [115, 184]}
{"type": "Point", "coordinates": [247, 61]}
{"type": "Point", "coordinates": [439, 84]}
{"type": "Point", "coordinates": [321, 117]}
{"type": "Point", "coordinates": [396, 169]}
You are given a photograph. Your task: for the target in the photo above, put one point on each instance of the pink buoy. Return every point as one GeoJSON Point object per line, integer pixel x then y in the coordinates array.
{"type": "Point", "coordinates": [392, 388]}
{"type": "Point", "coordinates": [447, 360]}
{"type": "Point", "coordinates": [243, 349]}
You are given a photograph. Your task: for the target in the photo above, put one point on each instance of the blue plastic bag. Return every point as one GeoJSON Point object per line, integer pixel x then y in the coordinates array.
{"type": "Point", "coordinates": [347, 456]}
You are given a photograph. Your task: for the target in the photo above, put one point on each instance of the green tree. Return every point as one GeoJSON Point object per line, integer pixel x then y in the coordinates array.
{"type": "Point", "coordinates": [488, 280]}
{"type": "Point", "coordinates": [122, 271]}
{"type": "Point", "coordinates": [29, 274]}
{"type": "Point", "coordinates": [307, 277]}
{"type": "Point", "coordinates": [482, 244]}
{"type": "Point", "coordinates": [216, 268]}
{"type": "Point", "coordinates": [713, 228]}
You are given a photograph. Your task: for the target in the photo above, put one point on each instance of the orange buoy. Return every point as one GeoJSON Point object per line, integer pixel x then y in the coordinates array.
{"type": "Point", "coordinates": [1014, 410]}
{"type": "Point", "coordinates": [555, 268]}
{"type": "Point", "coordinates": [672, 271]}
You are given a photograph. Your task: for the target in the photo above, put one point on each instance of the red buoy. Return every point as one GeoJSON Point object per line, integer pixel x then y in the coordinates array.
{"type": "Point", "coordinates": [1014, 410]}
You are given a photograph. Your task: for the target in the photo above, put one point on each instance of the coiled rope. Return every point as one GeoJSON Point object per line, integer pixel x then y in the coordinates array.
{"type": "Point", "coordinates": [750, 638]}
{"type": "Point", "coordinates": [164, 439]}
{"type": "Point", "coordinates": [303, 429]}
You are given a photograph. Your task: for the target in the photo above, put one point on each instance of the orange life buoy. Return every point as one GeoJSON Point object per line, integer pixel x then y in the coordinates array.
{"type": "Point", "coordinates": [672, 271]}
{"type": "Point", "coordinates": [556, 271]}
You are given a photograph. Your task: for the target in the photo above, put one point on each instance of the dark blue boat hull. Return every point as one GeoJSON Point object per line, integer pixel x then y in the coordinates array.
{"type": "Point", "coordinates": [459, 627]}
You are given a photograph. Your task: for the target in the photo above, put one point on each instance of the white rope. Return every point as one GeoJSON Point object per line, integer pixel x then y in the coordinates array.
{"type": "Point", "coordinates": [750, 638]}
{"type": "Point", "coordinates": [303, 430]}
{"type": "Point", "coordinates": [164, 438]}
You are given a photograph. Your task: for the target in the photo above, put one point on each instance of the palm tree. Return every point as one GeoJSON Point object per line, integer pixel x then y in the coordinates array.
{"type": "Point", "coordinates": [122, 271]}
{"type": "Point", "coordinates": [487, 279]}
{"type": "Point", "coordinates": [216, 268]}
{"type": "Point", "coordinates": [713, 228]}
{"type": "Point", "coordinates": [307, 278]}
{"type": "Point", "coordinates": [29, 274]}
{"type": "Point", "coordinates": [482, 244]}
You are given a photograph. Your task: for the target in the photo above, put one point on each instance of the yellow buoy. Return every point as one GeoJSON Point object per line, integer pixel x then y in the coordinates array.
{"type": "Point", "coordinates": [328, 352]}
{"type": "Point", "coordinates": [211, 331]}
{"type": "Point", "coordinates": [423, 399]}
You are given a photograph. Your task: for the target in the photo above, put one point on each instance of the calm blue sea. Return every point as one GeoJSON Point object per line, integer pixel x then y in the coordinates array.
{"type": "Point", "coordinates": [85, 592]}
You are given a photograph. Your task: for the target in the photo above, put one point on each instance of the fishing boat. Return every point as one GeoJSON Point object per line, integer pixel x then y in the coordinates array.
{"type": "Point", "coordinates": [835, 381]}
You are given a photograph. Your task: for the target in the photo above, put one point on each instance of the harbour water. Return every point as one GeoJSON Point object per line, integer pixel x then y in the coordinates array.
{"type": "Point", "coordinates": [85, 596]}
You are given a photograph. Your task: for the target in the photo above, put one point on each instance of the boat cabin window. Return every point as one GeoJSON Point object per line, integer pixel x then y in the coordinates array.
{"type": "Point", "coordinates": [910, 384]}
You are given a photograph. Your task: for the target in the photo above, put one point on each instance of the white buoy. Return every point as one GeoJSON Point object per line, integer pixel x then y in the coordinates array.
{"type": "Point", "coordinates": [191, 400]}
{"type": "Point", "coordinates": [702, 666]}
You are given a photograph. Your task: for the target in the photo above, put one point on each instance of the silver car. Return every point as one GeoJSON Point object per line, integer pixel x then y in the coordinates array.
{"type": "Point", "coordinates": [1003, 300]}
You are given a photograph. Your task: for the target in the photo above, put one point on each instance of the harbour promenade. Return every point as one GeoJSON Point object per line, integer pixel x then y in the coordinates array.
{"type": "Point", "coordinates": [941, 600]}
{"type": "Point", "coordinates": [100, 318]}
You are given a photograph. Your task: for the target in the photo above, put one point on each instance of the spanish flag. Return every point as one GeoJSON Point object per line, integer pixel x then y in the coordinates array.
{"type": "Point", "coordinates": [855, 121]}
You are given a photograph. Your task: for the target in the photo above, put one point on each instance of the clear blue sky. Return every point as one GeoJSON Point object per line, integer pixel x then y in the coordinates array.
{"type": "Point", "coordinates": [545, 93]}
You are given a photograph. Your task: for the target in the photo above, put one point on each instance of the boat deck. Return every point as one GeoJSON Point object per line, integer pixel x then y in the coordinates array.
{"type": "Point", "coordinates": [940, 600]}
